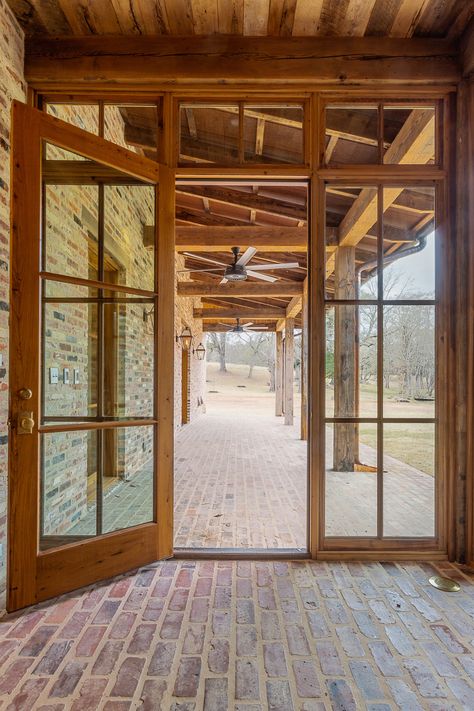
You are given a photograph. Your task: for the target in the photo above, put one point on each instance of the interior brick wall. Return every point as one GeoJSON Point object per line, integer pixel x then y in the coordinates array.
{"type": "Point", "coordinates": [12, 86]}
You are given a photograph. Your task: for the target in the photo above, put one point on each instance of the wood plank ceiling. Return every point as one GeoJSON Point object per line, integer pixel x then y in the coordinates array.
{"type": "Point", "coordinates": [318, 18]}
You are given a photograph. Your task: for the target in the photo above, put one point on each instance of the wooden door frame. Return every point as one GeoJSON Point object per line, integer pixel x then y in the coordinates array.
{"type": "Point", "coordinates": [35, 575]}
{"type": "Point", "coordinates": [317, 95]}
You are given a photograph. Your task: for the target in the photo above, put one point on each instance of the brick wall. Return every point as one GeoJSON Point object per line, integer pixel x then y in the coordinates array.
{"type": "Point", "coordinates": [12, 86]}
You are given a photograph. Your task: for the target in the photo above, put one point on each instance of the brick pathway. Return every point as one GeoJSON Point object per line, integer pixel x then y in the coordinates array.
{"type": "Point", "coordinates": [192, 636]}
{"type": "Point", "coordinates": [240, 482]}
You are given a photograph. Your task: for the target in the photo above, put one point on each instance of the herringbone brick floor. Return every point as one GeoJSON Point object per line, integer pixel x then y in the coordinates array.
{"type": "Point", "coordinates": [246, 636]}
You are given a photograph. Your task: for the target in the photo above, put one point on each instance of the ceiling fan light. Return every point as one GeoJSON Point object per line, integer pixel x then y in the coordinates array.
{"type": "Point", "coordinates": [236, 272]}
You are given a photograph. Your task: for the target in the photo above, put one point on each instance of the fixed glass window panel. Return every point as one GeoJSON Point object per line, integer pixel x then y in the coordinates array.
{"type": "Point", "coordinates": [351, 480]}
{"type": "Point", "coordinates": [129, 250]}
{"type": "Point", "coordinates": [351, 361]}
{"type": "Point", "coordinates": [71, 229]}
{"type": "Point", "coordinates": [409, 243]}
{"type": "Point", "coordinates": [134, 127]}
{"type": "Point", "coordinates": [85, 116]}
{"type": "Point", "coordinates": [351, 135]}
{"type": "Point", "coordinates": [128, 477]}
{"type": "Point", "coordinates": [208, 134]}
{"type": "Point", "coordinates": [409, 480]}
{"type": "Point", "coordinates": [409, 361]}
{"type": "Point", "coordinates": [69, 360]}
{"type": "Point", "coordinates": [409, 135]}
{"type": "Point", "coordinates": [68, 487]}
{"type": "Point", "coordinates": [273, 134]}
{"type": "Point", "coordinates": [128, 360]}
{"type": "Point", "coordinates": [351, 242]}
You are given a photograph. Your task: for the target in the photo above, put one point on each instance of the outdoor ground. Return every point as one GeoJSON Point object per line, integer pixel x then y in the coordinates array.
{"type": "Point", "coordinates": [241, 475]}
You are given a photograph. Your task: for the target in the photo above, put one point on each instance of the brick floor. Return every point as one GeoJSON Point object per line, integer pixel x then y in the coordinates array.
{"type": "Point", "coordinates": [240, 482]}
{"type": "Point", "coordinates": [308, 636]}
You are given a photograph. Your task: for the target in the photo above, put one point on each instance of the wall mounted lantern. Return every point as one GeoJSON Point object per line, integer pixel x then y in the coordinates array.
{"type": "Point", "coordinates": [185, 338]}
{"type": "Point", "coordinates": [200, 352]}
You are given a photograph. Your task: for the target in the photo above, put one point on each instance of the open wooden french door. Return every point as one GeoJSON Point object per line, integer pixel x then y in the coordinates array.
{"type": "Point", "coordinates": [91, 411]}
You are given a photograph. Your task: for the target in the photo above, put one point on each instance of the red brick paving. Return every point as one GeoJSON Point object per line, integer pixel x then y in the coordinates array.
{"type": "Point", "coordinates": [302, 636]}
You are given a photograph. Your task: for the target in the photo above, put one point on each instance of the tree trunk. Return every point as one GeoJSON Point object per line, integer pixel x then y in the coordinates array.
{"type": "Point", "coordinates": [222, 343]}
{"type": "Point", "coordinates": [251, 366]}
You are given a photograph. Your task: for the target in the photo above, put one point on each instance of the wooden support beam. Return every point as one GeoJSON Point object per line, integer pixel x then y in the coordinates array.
{"type": "Point", "coordinates": [345, 434]}
{"type": "Point", "coordinates": [261, 314]}
{"type": "Point", "coordinates": [304, 365]}
{"type": "Point", "coordinates": [220, 239]}
{"type": "Point", "coordinates": [293, 308]}
{"type": "Point", "coordinates": [279, 374]}
{"type": "Point", "coordinates": [165, 60]}
{"type": "Point", "coordinates": [289, 370]}
{"type": "Point", "coordinates": [243, 288]}
{"type": "Point", "coordinates": [413, 144]}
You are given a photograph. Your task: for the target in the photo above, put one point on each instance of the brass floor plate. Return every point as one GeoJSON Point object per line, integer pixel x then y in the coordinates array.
{"type": "Point", "coordinates": [445, 584]}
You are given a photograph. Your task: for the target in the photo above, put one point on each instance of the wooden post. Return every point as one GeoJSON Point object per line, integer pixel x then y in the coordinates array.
{"type": "Point", "coordinates": [278, 374]}
{"type": "Point", "coordinates": [345, 440]}
{"type": "Point", "coordinates": [289, 369]}
{"type": "Point", "coordinates": [304, 366]}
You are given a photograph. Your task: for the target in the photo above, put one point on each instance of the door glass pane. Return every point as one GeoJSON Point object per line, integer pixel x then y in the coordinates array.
{"type": "Point", "coordinates": [208, 134]}
{"type": "Point", "coordinates": [129, 212]}
{"type": "Point", "coordinates": [409, 243]}
{"type": "Point", "coordinates": [70, 244]}
{"type": "Point", "coordinates": [351, 361]}
{"type": "Point", "coordinates": [128, 360]}
{"type": "Point", "coordinates": [409, 479]}
{"type": "Point", "coordinates": [69, 360]}
{"type": "Point", "coordinates": [351, 135]}
{"type": "Point", "coordinates": [351, 242]}
{"type": "Point", "coordinates": [127, 481]}
{"type": "Point", "coordinates": [85, 116]}
{"type": "Point", "coordinates": [351, 479]}
{"type": "Point", "coordinates": [273, 134]}
{"type": "Point", "coordinates": [134, 127]}
{"type": "Point", "coordinates": [409, 361]}
{"type": "Point", "coordinates": [68, 486]}
{"type": "Point", "coordinates": [409, 135]}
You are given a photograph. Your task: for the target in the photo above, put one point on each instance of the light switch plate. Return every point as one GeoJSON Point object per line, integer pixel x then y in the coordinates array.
{"type": "Point", "coordinates": [76, 376]}
{"type": "Point", "coordinates": [53, 376]}
{"type": "Point", "coordinates": [66, 376]}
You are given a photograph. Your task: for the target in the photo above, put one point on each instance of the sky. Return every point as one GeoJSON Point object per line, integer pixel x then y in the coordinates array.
{"type": "Point", "coordinates": [416, 270]}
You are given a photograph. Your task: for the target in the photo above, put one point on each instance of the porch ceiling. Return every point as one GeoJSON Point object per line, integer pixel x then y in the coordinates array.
{"type": "Point", "coordinates": [319, 18]}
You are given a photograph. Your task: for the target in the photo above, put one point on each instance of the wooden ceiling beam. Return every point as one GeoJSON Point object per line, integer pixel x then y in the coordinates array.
{"type": "Point", "coordinates": [243, 288]}
{"type": "Point", "coordinates": [413, 144]}
{"type": "Point", "coordinates": [260, 314]}
{"type": "Point", "coordinates": [242, 198]}
{"type": "Point", "coordinates": [160, 61]}
{"type": "Point", "coordinates": [221, 239]}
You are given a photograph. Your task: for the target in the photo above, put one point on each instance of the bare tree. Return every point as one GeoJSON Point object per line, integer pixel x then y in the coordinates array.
{"type": "Point", "coordinates": [217, 343]}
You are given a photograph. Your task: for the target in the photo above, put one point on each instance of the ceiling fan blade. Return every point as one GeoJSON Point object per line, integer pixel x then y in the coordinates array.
{"type": "Point", "coordinates": [246, 256]}
{"type": "Point", "coordinates": [227, 325]}
{"type": "Point", "coordinates": [223, 281]}
{"type": "Point", "coordinates": [204, 259]}
{"type": "Point", "coordinates": [257, 328]}
{"type": "Point", "coordinates": [257, 275]}
{"type": "Point", "coordinates": [246, 325]}
{"type": "Point", "coordinates": [213, 269]}
{"type": "Point", "coordinates": [279, 265]}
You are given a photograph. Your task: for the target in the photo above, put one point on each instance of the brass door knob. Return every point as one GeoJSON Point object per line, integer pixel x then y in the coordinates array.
{"type": "Point", "coordinates": [25, 394]}
{"type": "Point", "coordinates": [25, 423]}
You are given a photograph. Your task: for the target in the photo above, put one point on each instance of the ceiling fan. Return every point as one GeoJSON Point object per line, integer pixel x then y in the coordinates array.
{"type": "Point", "coordinates": [244, 328]}
{"type": "Point", "coordinates": [241, 269]}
